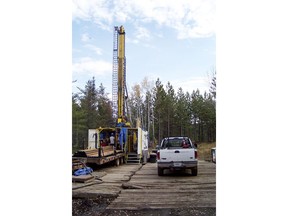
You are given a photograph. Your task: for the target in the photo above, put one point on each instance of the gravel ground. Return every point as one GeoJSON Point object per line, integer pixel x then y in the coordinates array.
{"type": "Point", "coordinates": [87, 206]}
{"type": "Point", "coordinates": [97, 207]}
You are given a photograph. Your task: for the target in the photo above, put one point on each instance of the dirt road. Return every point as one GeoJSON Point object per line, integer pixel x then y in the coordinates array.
{"type": "Point", "coordinates": [142, 192]}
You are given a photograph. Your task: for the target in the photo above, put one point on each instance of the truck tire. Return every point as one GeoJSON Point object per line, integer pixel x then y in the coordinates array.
{"type": "Point", "coordinates": [160, 171]}
{"type": "Point", "coordinates": [194, 171]}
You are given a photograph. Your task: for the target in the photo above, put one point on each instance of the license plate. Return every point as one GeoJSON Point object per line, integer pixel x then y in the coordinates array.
{"type": "Point", "coordinates": [177, 164]}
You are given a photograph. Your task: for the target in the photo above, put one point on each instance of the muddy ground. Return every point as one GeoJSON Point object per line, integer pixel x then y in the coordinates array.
{"type": "Point", "coordinates": [97, 207]}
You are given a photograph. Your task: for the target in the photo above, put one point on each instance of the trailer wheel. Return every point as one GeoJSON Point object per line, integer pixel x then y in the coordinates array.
{"type": "Point", "coordinates": [117, 162]}
{"type": "Point", "coordinates": [194, 171]}
{"type": "Point", "coordinates": [121, 160]}
{"type": "Point", "coordinates": [160, 171]}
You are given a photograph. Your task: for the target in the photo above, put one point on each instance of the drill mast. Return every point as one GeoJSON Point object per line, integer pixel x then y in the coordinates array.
{"type": "Point", "coordinates": [119, 89]}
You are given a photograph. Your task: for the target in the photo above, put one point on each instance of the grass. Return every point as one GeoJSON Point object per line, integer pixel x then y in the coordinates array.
{"type": "Point", "coordinates": [204, 150]}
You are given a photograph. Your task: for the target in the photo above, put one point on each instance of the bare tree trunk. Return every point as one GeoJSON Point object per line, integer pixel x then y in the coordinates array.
{"type": "Point", "coordinates": [168, 123]}
{"type": "Point", "coordinates": [159, 127]}
{"type": "Point", "coordinates": [199, 131]}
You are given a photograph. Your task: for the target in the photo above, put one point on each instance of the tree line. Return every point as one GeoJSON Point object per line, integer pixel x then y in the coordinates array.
{"type": "Point", "coordinates": [161, 110]}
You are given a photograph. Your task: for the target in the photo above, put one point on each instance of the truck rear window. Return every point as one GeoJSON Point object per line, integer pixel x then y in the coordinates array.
{"type": "Point", "coordinates": [176, 143]}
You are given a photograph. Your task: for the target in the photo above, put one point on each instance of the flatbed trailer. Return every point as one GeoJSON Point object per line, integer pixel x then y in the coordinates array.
{"type": "Point", "coordinates": [100, 156]}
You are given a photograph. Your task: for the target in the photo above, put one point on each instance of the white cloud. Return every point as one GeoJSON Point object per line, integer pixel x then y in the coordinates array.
{"type": "Point", "coordinates": [98, 11]}
{"type": "Point", "coordinates": [131, 40]}
{"type": "Point", "coordinates": [189, 18]}
{"type": "Point", "coordinates": [142, 33]}
{"type": "Point", "coordinates": [94, 48]}
{"type": "Point", "coordinates": [90, 67]}
{"type": "Point", "coordinates": [85, 37]}
{"type": "Point", "coordinates": [192, 83]}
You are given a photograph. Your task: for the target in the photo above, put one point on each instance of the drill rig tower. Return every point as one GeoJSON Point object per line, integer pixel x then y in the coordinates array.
{"type": "Point", "coordinates": [131, 143]}
{"type": "Point", "coordinates": [119, 89]}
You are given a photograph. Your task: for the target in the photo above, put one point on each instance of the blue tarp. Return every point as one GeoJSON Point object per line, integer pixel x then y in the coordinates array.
{"type": "Point", "coordinates": [83, 171]}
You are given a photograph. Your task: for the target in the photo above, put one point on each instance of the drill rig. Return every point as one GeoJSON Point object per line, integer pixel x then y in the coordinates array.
{"type": "Point", "coordinates": [122, 95]}
{"type": "Point", "coordinates": [131, 144]}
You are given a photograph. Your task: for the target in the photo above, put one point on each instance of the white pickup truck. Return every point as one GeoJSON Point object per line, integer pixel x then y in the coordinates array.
{"type": "Point", "coordinates": [177, 153]}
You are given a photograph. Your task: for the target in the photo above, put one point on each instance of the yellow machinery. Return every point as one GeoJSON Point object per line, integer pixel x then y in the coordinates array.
{"type": "Point", "coordinates": [133, 141]}
{"type": "Point", "coordinates": [122, 118]}
{"type": "Point", "coordinates": [119, 89]}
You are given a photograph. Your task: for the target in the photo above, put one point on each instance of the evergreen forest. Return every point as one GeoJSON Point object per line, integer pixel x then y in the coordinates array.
{"type": "Point", "coordinates": [162, 110]}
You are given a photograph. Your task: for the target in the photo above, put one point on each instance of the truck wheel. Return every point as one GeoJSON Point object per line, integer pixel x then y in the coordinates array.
{"type": "Point", "coordinates": [194, 171]}
{"type": "Point", "coordinates": [160, 171]}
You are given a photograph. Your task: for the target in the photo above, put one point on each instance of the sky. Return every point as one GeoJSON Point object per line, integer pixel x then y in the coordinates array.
{"type": "Point", "coordinates": [170, 40]}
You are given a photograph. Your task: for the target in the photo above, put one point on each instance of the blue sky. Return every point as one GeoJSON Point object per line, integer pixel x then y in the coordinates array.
{"type": "Point", "coordinates": [170, 40]}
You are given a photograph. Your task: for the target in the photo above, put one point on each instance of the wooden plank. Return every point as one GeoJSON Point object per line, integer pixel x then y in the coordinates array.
{"type": "Point", "coordinates": [166, 186]}
{"type": "Point", "coordinates": [192, 197]}
{"type": "Point", "coordinates": [155, 205]}
{"type": "Point", "coordinates": [105, 151]}
{"type": "Point", "coordinates": [82, 178]}
{"type": "Point", "coordinates": [108, 148]}
{"type": "Point", "coordinates": [102, 160]}
{"type": "Point", "coordinates": [88, 150]}
{"type": "Point", "coordinates": [165, 201]}
{"type": "Point", "coordinates": [130, 192]}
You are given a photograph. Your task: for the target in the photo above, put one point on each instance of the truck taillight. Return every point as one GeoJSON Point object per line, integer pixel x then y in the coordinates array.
{"type": "Point", "coordinates": [196, 154]}
{"type": "Point", "coordinates": [158, 155]}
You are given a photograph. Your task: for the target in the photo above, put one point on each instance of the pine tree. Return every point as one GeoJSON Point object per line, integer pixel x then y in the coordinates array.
{"type": "Point", "coordinates": [104, 116]}
{"type": "Point", "coordinates": [159, 109]}
{"type": "Point", "coordinates": [182, 120]}
{"type": "Point", "coordinates": [170, 108]}
{"type": "Point", "coordinates": [213, 85]}
{"type": "Point", "coordinates": [78, 124]}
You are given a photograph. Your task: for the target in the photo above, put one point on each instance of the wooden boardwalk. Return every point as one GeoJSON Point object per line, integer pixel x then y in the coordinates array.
{"type": "Point", "coordinates": [147, 190]}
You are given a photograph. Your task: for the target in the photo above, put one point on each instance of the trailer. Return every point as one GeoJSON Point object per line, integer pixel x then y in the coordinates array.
{"type": "Point", "coordinates": [131, 146]}
{"type": "Point", "coordinates": [99, 156]}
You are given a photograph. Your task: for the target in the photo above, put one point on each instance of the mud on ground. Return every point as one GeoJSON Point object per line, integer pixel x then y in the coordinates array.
{"type": "Point", "coordinates": [97, 207]}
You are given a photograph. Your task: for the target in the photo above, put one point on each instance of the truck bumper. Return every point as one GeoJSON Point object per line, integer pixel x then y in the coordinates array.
{"type": "Point", "coordinates": [175, 165]}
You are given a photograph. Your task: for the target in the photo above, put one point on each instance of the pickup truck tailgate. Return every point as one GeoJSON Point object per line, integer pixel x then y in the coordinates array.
{"type": "Point", "coordinates": [177, 155]}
